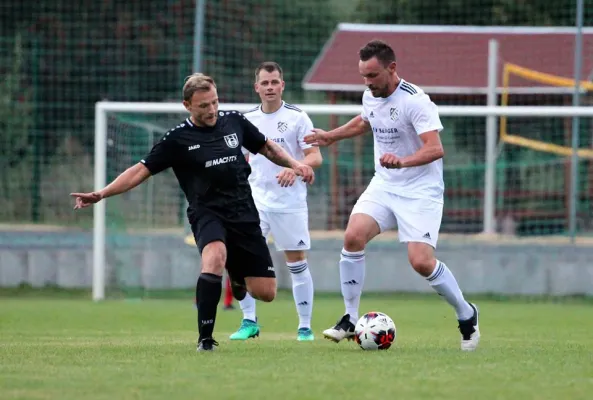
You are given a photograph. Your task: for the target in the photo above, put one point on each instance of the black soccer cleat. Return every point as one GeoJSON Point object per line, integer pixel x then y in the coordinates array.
{"type": "Point", "coordinates": [470, 331]}
{"type": "Point", "coordinates": [344, 329]}
{"type": "Point", "coordinates": [207, 344]}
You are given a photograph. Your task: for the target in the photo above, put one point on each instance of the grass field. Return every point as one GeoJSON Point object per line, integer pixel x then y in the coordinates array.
{"type": "Point", "coordinates": [75, 349]}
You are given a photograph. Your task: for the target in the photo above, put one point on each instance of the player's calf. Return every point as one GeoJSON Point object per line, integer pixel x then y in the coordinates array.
{"type": "Point", "coordinates": [361, 229]}
{"type": "Point", "coordinates": [302, 291]}
{"type": "Point", "coordinates": [441, 279]}
{"type": "Point", "coordinates": [209, 290]}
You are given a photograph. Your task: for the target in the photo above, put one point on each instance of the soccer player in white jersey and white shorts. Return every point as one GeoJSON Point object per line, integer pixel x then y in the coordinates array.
{"type": "Point", "coordinates": [282, 208]}
{"type": "Point", "coordinates": [407, 188]}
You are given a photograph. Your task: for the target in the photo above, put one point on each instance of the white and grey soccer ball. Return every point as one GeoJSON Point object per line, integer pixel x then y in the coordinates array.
{"type": "Point", "coordinates": [374, 331]}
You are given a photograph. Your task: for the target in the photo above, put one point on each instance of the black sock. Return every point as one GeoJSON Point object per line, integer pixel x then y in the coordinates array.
{"type": "Point", "coordinates": [208, 291]}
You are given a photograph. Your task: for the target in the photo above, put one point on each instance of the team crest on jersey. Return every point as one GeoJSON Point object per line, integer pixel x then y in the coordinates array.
{"type": "Point", "coordinates": [232, 140]}
{"type": "Point", "coordinates": [393, 113]}
{"type": "Point", "coordinates": [282, 127]}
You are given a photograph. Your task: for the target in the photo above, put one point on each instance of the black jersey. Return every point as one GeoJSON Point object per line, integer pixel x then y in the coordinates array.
{"type": "Point", "coordinates": [210, 166]}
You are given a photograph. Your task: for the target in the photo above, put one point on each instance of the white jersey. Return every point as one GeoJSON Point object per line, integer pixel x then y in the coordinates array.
{"type": "Point", "coordinates": [397, 122]}
{"type": "Point", "coordinates": [287, 127]}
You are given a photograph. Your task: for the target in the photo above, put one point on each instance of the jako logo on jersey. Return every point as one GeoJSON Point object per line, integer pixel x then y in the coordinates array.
{"type": "Point", "coordinates": [195, 146]}
{"type": "Point", "coordinates": [221, 160]}
{"type": "Point", "coordinates": [232, 140]}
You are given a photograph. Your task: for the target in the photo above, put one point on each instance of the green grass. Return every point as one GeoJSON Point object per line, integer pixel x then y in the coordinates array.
{"type": "Point", "coordinates": [72, 349]}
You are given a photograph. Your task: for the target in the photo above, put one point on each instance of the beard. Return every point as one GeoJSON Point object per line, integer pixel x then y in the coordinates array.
{"type": "Point", "coordinates": [380, 92]}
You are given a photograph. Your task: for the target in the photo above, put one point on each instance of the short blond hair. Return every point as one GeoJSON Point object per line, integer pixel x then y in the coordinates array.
{"type": "Point", "coordinates": [197, 82]}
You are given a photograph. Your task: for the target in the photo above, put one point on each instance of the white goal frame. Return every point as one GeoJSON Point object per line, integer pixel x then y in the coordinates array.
{"type": "Point", "coordinates": [103, 108]}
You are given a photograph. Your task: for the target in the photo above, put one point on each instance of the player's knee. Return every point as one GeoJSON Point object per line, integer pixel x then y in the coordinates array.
{"type": "Point", "coordinates": [267, 295]}
{"type": "Point", "coordinates": [262, 289]}
{"type": "Point", "coordinates": [354, 240]}
{"type": "Point", "coordinates": [422, 261]}
{"type": "Point", "coordinates": [361, 229]}
{"type": "Point", "coordinates": [295, 256]}
{"type": "Point", "coordinates": [214, 258]}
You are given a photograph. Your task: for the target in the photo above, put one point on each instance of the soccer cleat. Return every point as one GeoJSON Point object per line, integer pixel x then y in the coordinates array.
{"type": "Point", "coordinates": [248, 329]}
{"type": "Point", "coordinates": [344, 329]}
{"type": "Point", "coordinates": [470, 331]}
{"type": "Point", "coordinates": [207, 344]}
{"type": "Point", "coordinates": [305, 335]}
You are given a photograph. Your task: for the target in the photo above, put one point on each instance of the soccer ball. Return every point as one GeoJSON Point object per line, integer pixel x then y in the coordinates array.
{"type": "Point", "coordinates": [374, 331]}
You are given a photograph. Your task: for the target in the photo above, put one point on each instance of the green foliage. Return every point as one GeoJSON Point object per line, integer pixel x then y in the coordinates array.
{"type": "Point", "coordinates": [15, 145]}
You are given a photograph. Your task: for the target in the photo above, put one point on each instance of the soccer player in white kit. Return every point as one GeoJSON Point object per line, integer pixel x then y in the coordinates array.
{"type": "Point", "coordinates": [407, 188]}
{"type": "Point", "coordinates": [282, 208]}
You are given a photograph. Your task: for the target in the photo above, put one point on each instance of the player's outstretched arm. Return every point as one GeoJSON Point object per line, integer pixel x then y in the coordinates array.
{"type": "Point", "coordinates": [279, 156]}
{"type": "Point", "coordinates": [355, 127]}
{"type": "Point", "coordinates": [313, 157]}
{"type": "Point", "coordinates": [127, 180]}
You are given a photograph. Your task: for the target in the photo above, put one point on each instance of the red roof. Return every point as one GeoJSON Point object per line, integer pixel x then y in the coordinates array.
{"type": "Point", "coordinates": [451, 59]}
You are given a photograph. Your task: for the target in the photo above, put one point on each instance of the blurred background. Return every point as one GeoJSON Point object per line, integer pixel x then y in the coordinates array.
{"type": "Point", "coordinates": [57, 61]}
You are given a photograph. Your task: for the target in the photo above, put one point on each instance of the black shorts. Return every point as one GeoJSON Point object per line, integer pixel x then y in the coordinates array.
{"type": "Point", "coordinates": [248, 254]}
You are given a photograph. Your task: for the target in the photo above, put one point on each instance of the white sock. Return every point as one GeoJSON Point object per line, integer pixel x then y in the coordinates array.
{"type": "Point", "coordinates": [248, 307]}
{"type": "Point", "coordinates": [352, 271]}
{"type": "Point", "coordinates": [444, 283]}
{"type": "Point", "coordinates": [302, 290]}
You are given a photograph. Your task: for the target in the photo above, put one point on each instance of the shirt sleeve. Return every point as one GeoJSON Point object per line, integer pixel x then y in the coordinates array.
{"type": "Point", "coordinates": [305, 128]}
{"type": "Point", "coordinates": [253, 139]}
{"type": "Point", "coordinates": [363, 113]}
{"type": "Point", "coordinates": [160, 157]}
{"type": "Point", "coordinates": [424, 114]}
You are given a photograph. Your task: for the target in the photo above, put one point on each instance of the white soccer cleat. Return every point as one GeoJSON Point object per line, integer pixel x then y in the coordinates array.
{"type": "Point", "coordinates": [470, 331]}
{"type": "Point", "coordinates": [344, 329]}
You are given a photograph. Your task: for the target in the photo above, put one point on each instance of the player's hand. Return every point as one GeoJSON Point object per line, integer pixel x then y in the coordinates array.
{"type": "Point", "coordinates": [286, 177]}
{"type": "Point", "coordinates": [86, 199]}
{"type": "Point", "coordinates": [305, 172]}
{"type": "Point", "coordinates": [390, 161]}
{"type": "Point", "coordinates": [318, 137]}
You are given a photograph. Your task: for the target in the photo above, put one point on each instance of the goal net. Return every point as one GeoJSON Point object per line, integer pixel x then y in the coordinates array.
{"type": "Point", "coordinates": [143, 225]}
{"type": "Point", "coordinates": [141, 245]}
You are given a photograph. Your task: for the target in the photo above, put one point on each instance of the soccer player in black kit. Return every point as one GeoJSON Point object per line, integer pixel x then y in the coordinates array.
{"type": "Point", "coordinates": [205, 154]}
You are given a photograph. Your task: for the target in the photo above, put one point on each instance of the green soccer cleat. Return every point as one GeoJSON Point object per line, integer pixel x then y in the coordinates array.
{"type": "Point", "coordinates": [248, 329]}
{"type": "Point", "coordinates": [305, 335]}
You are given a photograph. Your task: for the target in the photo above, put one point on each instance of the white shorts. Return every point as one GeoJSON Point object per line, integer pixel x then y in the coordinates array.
{"type": "Point", "coordinates": [290, 231]}
{"type": "Point", "coordinates": [417, 220]}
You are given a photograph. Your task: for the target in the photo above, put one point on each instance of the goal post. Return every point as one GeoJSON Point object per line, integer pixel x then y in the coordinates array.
{"type": "Point", "coordinates": [124, 131]}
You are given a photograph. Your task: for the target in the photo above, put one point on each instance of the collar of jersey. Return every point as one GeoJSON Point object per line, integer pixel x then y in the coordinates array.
{"type": "Point", "coordinates": [394, 92]}
{"type": "Point", "coordinates": [261, 108]}
{"type": "Point", "coordinates": [201, 128]}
